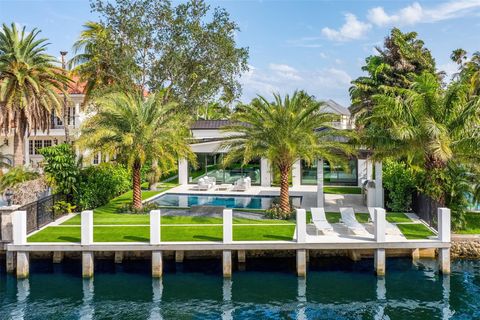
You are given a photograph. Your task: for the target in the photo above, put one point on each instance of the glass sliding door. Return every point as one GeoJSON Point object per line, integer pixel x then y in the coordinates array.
{"type": "Point", "coordinates": [332, 175]}
{"type": "Point", "coordinates": [210, 164]}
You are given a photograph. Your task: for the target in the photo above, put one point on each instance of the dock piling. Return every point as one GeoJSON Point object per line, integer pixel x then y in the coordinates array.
{"type": "Point", "coordinates": [241, 256]}
{"type": "Point", "coordinates": [10, 261]}
{"type": "Point", "coordinates": [444, 235]}
{"type": "Point", "coordinates": [118, 257]}
{"type": "Point", "coordinates": [157, 264]}
{"type": "Point", "coordinates": [87, 264]}
{"type": "Point", "coordinates": [227, 263]}
{"type": "Point", "coordinates": [302, 262]}
{"type": "Point", "coordinates": [179, 256]}
{"type": "Point", "coordinates": [57, 257]}
{"type": "Point", "coordinates": [379, 260]}
{"type": "Point", "coordinates": [23, 264]}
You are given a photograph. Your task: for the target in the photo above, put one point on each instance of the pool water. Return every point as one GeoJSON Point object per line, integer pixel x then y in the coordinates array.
{"type": "Point", "coordinates": [189, 200]}
{"type": "Point", "coordinates": [268, 289]}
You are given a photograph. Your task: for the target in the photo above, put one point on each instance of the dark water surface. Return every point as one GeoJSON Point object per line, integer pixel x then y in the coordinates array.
{"type": "Point", "coordinates": [268, 289]}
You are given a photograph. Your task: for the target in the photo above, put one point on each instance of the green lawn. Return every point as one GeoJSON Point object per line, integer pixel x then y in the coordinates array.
{"type": "Point", "coordinates": [472, 223]}
{"type": "Point", "coordinates": [168, 233]}
{"type": "Point", "coordinates": [342, 190]}
{"type": "Point", "coordinates": [415, 231]}
{"type": "Point", "coordinates": [397, 217]}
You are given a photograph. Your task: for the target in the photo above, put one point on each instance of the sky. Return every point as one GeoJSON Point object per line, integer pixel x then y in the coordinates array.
{"type": "Point", "coordinates": [319, 46]}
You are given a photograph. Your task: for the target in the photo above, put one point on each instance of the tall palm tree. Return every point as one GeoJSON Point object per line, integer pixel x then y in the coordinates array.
{"type": "Point", "coordinates": [136, 130]}
{"type": "Point", "coordinates": [428, 125]}
{"type": "Point", "coordinates": [30, 85]}
{"type": "Point", "coordinates": [95, 61]}
{"type": "Point", "coordinates": [284, 131]}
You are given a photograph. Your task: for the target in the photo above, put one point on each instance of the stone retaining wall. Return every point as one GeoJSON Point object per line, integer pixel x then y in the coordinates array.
{"type": "Point", "coordinates": [467, 247]}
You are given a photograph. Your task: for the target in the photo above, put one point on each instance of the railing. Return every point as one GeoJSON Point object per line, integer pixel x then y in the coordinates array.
{"type": "Point", "coordinates": [426, 208]}
{"type": "Point", "coordinates": [41, 212]}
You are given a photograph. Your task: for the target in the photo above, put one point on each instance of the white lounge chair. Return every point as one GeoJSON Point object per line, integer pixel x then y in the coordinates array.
{"type": "Point", "coordinates": [320, 221]}
{"type": "Point", "coordinates": [242, 184]}
{"type": "Point", "coordinates": [390, 228]}
{"type": "Point", "coordinates": [206, 183]}
{"type": "Point", "coordinates": [351, 222]}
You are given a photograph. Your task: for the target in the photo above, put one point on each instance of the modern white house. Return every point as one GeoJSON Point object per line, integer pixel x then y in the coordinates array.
{"type": "Point", "coordinates": [207, 139]}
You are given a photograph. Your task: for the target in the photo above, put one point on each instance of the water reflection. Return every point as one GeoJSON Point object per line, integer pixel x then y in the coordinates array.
{"type": "Point", "coordinates": [87, 310]}
{"type": "Point", "coordinates": [301, 298]}
{"type": "Point", "coordinates": [447, 313]}
{"type": "Point", "coordinates": [227, 309]}
{"type": "Point", "coordinates": [23, 291]}
{"type": "Point", "coordinates": [157, 288]}
{"type": "Point", "coordinates": [381, 298]}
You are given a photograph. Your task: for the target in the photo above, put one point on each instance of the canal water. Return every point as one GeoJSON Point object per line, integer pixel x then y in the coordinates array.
{"type": "Point", "coordinates": [266, 289]}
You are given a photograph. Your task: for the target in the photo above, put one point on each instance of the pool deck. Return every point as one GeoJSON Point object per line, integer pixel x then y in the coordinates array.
{"type": "Point", "coordinates": [308, 193]}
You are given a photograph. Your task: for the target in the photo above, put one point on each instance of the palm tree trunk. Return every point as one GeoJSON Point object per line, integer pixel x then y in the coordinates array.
{"type": "Point", "coordinates": [284, 198]}
{"type": "Point", "coordinates": [19, 139]}
{"type": "Point", "coordinates": [137, 188]}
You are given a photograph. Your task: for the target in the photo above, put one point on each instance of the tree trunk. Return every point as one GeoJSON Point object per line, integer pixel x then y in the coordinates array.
{"type": "Point", "coordinates": [284, 197]}
{"type": "Point", "coordinates": [137, 187]}
{"type": "Point", "coordinates": [65, 120]}
{"type": "Point", "coordinates": [19, 140]}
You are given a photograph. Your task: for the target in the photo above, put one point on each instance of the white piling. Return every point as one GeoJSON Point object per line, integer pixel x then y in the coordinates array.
{"type": "Point", "coordinates": [227, 226]}
{"type": "Point", "coordinates": [301, 225]}
{"type": "Point", "coordinates": [444, 235]}
{"type": "Point", "coordinates": [87, 228]}
{"type": "Point", "coordinates": [155, 227]}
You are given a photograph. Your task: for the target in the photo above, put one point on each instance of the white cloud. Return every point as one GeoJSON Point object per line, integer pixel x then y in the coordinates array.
{"type": "Point", "coordinates": [328, 83]}
{"type": "Point", "coordinates": [350, 30]}
{"type": "Point", "coordinates": [415, 13]}
{"type": "Point", "coordinates": [408, 15]}
{"type": "Point", "coordinates": [450, 68]}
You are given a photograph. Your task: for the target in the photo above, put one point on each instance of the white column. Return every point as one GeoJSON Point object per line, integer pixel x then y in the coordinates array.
{"type": "Point", "coordinates": [320, 195]}
{"type": "Point", "coordinates": [362, 171]}
{"type": "Point", "coordinates": [87, 264]}
{"type": "Point", "coordinates": [265, 173]}
{"type": "Point", "coordinates": [87, 228]}
{"type": "Point", "coordinates": [77, 115]}
{"type": "Point", "coordinates": [183, 171]}
{"type": "Point", "coordinates": [227, 226]}
{"type": "Point", "coordinates": [444, 224]}
{"type": "Point", "coordinates": [301, 262]}
{"type": "Point", "coordinates": [157, 264]}
{"type": "Point", "coordinates": [380, 224]}
{"type": "Point", "coordinates": [444, 235]}
{"type": "Point", "coordinates": [227, 263]}
{"type": "Point", "coordinates": [155, 227]}
{"type": "Point", "coordinates": [369, 169]}
{"type": "Point", "coordinates": [19, 222]}
{"type": "Point", "coordinates": [296, 174]}
{"type": "Point", "coordinates": [23, 264]}
{"type": "Point", "coordinates": [301, 225]}
{"type": "Point", "coordinates": [379, 260]}
{"type": "Point", "coordinates": [379, 184]}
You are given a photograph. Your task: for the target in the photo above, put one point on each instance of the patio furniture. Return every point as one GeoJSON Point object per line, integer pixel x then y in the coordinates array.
{"type": "Point", "coordinates": [320, 222]}
{"type": "Point", "coordinates": [224, 187]}
{"type": "Point", "coordinates": [206, 183]}
{"type": "Point", "coordinates": [350, 221]}
{"type": "Point", "coordinates": [390, 228]}
{"type": "Point", "coordinates": [242, 184]}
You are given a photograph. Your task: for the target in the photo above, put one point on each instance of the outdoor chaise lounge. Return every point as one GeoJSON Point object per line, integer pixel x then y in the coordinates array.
{"type": "Point", "coordinates": [320, 222]}
{"type": "Point", "coordinates": [242, 184]}
{"type": "Point", "coordinates": [350, 221]}
{"type": "Point", "coordinates": [390, 228]}
{"type": "Point", "coordinates": [206, 183]}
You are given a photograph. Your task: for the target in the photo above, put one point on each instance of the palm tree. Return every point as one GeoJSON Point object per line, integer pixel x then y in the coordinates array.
{"type": "Point", "coordinates": [284, 131]}
{"type": "Point", "coordinates": [95, 61]}
{"type": "Point", "coordinates": [428, 125]}
{"type": "Point", "coordinates": [30, 85]}
{"type": "Point", "coordinates": [136, 130]}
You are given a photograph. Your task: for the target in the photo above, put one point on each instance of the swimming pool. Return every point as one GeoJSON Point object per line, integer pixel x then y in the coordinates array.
{"type": "Point", "coordinates": [228, 201]}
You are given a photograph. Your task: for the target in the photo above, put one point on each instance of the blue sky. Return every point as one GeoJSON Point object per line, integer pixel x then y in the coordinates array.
{"type": "Point", "coordinates": [314, 45]}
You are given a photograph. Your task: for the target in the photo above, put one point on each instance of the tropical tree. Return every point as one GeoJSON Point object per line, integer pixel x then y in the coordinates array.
{"type": "Point", "coordinates": [428, 126]}
{"type": "Point", "coordinates": [284, 131]}
{"type": "Point", "coordinates": [15, 176]}
{"type": "Point", "coordinates": [97, 62]}
{"type": "Point", "coordinates": [137, 129]}
{"type": "Point", "coordinates": [402, 57]}
{"type": "Point", "coordinates": [30, 85]}
{"type": "Point", "coordinates": [214, 111]}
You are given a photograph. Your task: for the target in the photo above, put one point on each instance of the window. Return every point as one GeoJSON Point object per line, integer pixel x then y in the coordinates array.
{"type": "Point", "coordinates": [96, 158]}
{"type": "Point", "coordinates": [35, 145]}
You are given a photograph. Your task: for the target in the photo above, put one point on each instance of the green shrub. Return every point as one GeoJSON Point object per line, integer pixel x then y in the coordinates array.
{"type": "Point", "coordinates": [399, 184]}
{"type": "Point", "coordinates": [146, 208]}
{"type": "Point", "coordinates": [62, 207]}
{"type": "Point", "coordinates": [99, 184]}
{"type": "Point", "coordinates": [15, 176]}
{"type": "Point", "coordinates": [61, 168]}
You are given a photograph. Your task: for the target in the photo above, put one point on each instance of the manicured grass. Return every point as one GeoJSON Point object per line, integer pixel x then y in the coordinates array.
{"type": "Point", "coordinates": [397, 217]}
{"type": "Point", "coordinates": [334, 217]}
{"type": "Point", "coordinates": [342, 190]}
{"type": "Point", "coordinates": [472, 223]}
{"type": "Point", "coordinates": [168, 233]}
{"type": "Point", "coordinates": [415, 231]}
